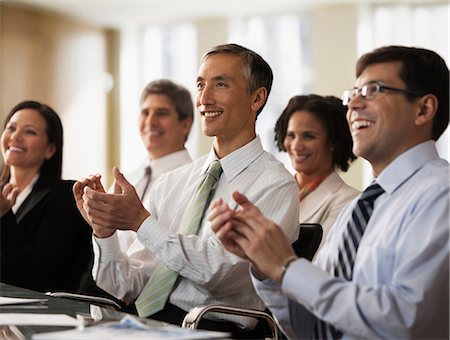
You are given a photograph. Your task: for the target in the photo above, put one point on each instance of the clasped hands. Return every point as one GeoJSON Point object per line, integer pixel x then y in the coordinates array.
{"type": "Point", "coordinates": [248, 234]}
{"type": "Point", "coordinates": [107, 212]}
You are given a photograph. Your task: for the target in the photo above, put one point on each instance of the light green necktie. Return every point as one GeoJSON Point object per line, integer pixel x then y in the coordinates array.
{"type": "Point", "coordinates": [158, 288]}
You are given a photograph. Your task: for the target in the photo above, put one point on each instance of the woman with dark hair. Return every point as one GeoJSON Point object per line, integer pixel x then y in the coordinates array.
{"type": "Point", "coordinates": [313, 130]}
{"type": "Point", "coordinates": [45, 243]}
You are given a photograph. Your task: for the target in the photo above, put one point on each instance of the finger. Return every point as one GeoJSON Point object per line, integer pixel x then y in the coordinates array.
{"type": "Point", "coordinates": [95, 198]}
{"type": "Point", "coordinates": [216, 211]}
{"type": "Point", "coordinates": [240, 198]}
{"type": "Point", "coordinates": [96, 180]}
{"type": "Point", "coordinates": [117, 188]}
{"type": "Point", "coordinates": [95, 195]}
{"type": "Point", "coordinates": [224, 231]}
{"type": "Point", "coordinates": [13, 195]}
{"type": "Point", "coordinates": [216, 203]}
{"type": "Point", "coordinates": [76, 189]}
{"type": "Point", "coordinates": [97, 214]}
{"type": "Point", "coordinates": [120, 178]}
{"type": "Point", "coordinates": [226, 235]}
{"type": "Point", "coordinates": [237, 242]}
{"type": "Point", "coordinates": [7, 189]}
{"type": "Point", "coordinates": [79, 186]}
{"type": "Point", "coordinates": [253, 217]}
{"type": "Point", "coordinates": [243, 229]}
{"type": "Point", "coordinates": [220, 220]}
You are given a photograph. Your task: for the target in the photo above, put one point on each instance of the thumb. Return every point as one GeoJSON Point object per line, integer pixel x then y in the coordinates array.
{"type": "Point", "coordinates": [240, 199]}
{"type": "Point", "coordinates": [117, 188]}
{"type": "Point", "coordinates": [120, 184]}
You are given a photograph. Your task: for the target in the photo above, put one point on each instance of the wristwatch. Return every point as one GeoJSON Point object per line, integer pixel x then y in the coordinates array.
{"type": "Point", "coordinates": [286, 265]}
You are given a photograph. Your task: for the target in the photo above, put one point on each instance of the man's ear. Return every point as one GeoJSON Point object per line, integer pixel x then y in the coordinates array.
{"type": "Point", "coordinates": [428, 106]}
{"type": "Point", "coordinates": [187, 124]}
{"type": "Point", "coordinates": [259, 98]}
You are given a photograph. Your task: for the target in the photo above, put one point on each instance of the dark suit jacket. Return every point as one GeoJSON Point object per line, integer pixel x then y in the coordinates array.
{"type": "Point", "coordinates": [46, 245]}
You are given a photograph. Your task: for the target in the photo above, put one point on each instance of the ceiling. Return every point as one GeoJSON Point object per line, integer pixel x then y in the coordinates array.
{"type": "Point", "coordinates": [125, 13]}
{"type": "Point", "coordinates": [120, 13]}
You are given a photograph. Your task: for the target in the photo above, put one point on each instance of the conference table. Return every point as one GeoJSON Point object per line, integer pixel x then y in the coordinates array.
{"type": "Point", "coordinates": [84, 312]}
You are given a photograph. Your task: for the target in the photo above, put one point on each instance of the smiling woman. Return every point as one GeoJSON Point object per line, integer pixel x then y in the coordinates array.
{"type": "Point", "coordinates": [313, 131]}
{"type": "Point", "coordinates": [45, 243]}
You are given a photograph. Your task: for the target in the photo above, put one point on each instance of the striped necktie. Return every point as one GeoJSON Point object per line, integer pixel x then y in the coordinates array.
{"type": "Point", "coordinates": [348, 248]}
{"type": "Point", "coordinates": [158, 288]}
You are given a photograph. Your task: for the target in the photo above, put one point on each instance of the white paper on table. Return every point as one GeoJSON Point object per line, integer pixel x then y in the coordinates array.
{"type": "Point", "coordinates": [20, 319]}
{"type": "Point", "coordinates": [131, 328]}
{"type": "Point", "coordinates": [6, 301]}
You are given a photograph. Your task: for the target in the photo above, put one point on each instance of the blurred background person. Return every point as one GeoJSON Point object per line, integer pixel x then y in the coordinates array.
{"type": "Point", "coordinates": [165, 120]}
{"type": "Point", "coordinates": [166, 117]}
{"type": "Point", "coordinates": [45, 243]}
{"type": "Point", "coordinates": [313, 131]}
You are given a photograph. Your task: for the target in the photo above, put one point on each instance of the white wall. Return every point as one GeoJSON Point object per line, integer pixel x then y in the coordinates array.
{"type": "Point", "coordinates": [64, 64]}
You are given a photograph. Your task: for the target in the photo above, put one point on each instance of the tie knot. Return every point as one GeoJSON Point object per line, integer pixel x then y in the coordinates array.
{"type": "Point", "coordinates": [148, 171]}
{"type": "Point", "coordinates": [372, 192]}
{"type": "Point", "coordinates": [215, 169]}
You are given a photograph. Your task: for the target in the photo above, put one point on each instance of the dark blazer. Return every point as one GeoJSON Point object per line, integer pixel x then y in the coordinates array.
{"type": "Point", "coordinates": [46, 245]}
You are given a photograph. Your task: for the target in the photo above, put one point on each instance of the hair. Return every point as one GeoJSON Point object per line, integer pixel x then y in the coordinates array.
{"type": "Point", "coordinates": [423, 71]}
{"type": "Point", "coordinates": [257, 71]}
{"type": "Point", "coordinates": [177, 94]}
{"type": "Point", "coordinates": [331, 113]}
{"type": "Point", "coordinates": [51, 168]}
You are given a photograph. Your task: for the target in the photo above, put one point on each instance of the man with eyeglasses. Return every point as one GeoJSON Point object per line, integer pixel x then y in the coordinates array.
{"type": "Point", "coordinates": [384, 269]}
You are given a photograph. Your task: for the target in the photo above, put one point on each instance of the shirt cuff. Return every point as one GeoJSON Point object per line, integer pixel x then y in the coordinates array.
{"type": "Point", "coordinates": [152, 234]}
{"type": "Point", "coordinates": [259, 280]}
{"type": "Point", "coordinates": [108, 247]}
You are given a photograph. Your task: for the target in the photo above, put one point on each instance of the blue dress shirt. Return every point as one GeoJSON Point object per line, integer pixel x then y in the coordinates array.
{"type": "Point", "coordinates": [400, 286]}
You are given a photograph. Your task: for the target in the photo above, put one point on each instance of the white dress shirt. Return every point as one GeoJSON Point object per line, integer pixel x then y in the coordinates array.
{"type": "Point", "coordinates": [128, 238]}
{"type": "Point", "coordinates": [159, 166]}
{"type": "Point", "coordinates": [209, 273]}
{"type": "Point", "coordinates": [400, 285]}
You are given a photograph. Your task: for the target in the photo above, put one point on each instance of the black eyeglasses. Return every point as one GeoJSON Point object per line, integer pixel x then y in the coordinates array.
{"type": "Point", "coordinates": [371, 90]}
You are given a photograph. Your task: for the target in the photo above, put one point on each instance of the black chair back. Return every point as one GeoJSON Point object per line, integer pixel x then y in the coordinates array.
{"type": "Point", "coordinates": [308, 240]}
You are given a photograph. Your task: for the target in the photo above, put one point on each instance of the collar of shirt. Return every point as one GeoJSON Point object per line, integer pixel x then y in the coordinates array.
{"type": "Point", "coordinates": [405, 165]}
{"type": "Point", "coordinates": [24, 194]}
{"type": "Point", "coordinates": [166, 163]}
{"type": "Point", "coordinates": [238, 160]}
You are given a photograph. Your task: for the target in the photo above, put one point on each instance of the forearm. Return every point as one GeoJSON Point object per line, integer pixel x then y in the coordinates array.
{"type": "Point", "coordinates": [362, 311]}
{"type": "Point", "coordinates": [202, 260]}
{"type": "Point", "coordinates": [116, 272]}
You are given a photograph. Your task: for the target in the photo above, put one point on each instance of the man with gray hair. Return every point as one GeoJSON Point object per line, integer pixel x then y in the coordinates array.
{"type": "Point", "coordinates": [194, 269]}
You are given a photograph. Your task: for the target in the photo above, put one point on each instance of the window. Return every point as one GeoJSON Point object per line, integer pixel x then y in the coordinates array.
{"type": "Point", "coordinates": [284, 42]}
{"type": "Point", "coordinates": [146, 55]}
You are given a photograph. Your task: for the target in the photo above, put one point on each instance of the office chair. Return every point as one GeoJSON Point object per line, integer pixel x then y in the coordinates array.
{"type": "Point", "coordinates": [310, 235]}
{"type": "Point", "coordinates": [308, 241]}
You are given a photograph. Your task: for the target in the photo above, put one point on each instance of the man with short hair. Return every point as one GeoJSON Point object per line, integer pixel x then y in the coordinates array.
{"type": "Point", "coordinates": [166, 117]}
{"type": "Point", "coordinates": [165, 120]}
{"type": "Point", "coordinates": [232, 88]}
{"type": "Point", "coordinates": [384, 269]}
